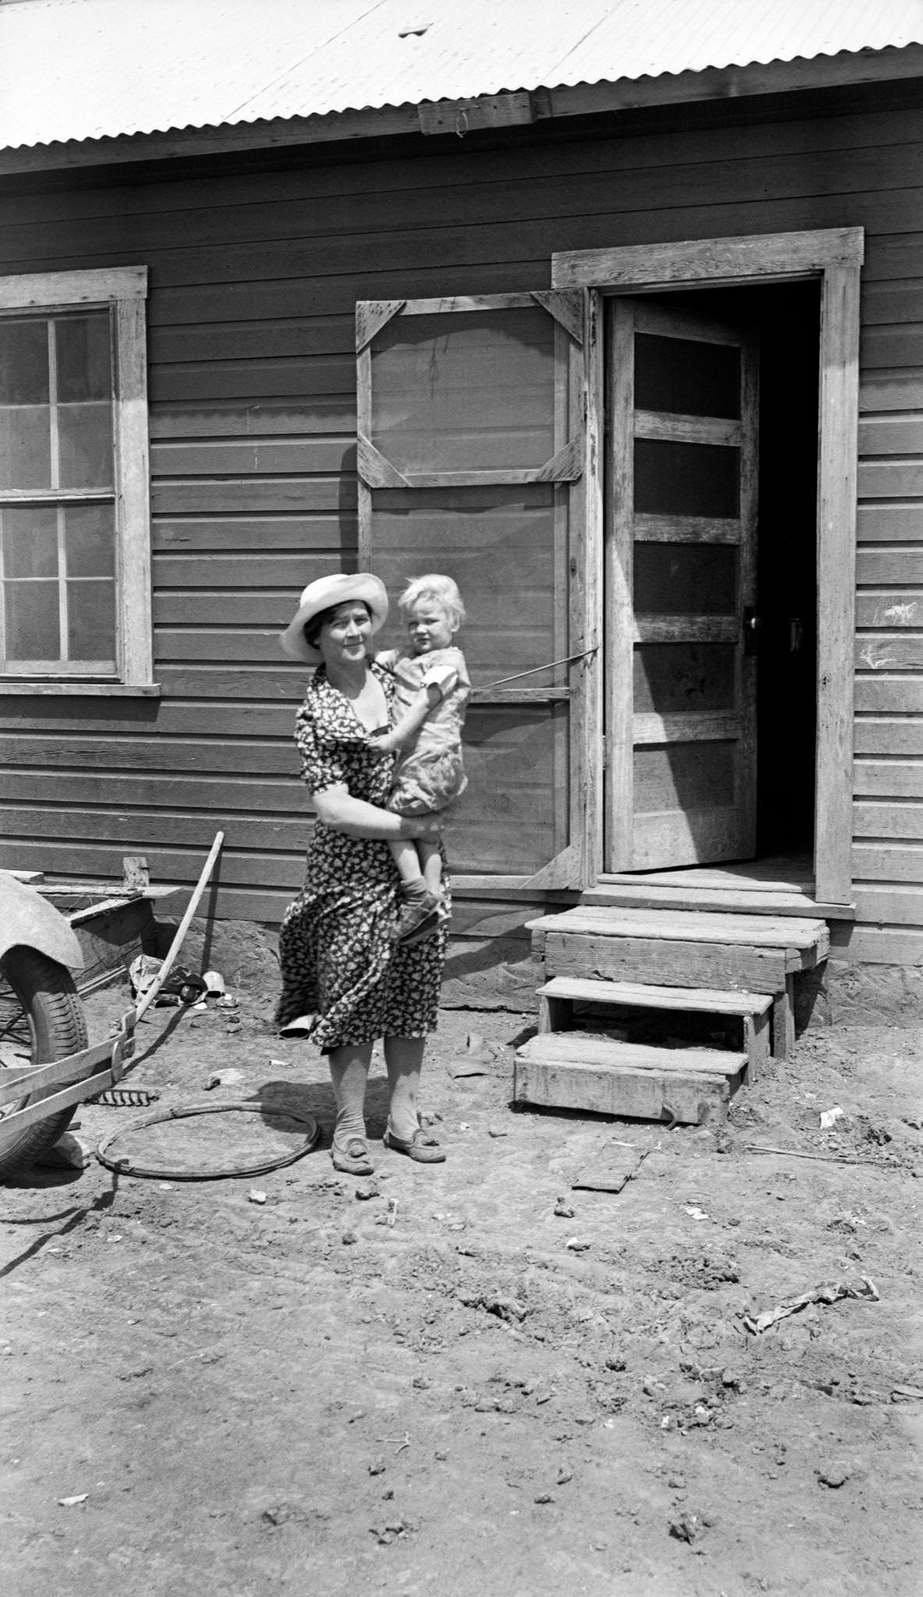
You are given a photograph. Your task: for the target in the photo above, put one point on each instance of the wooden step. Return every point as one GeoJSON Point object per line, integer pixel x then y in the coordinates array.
{"type": "Point", "coordinates": [578, 1070]}
{"type": "Point", "coordinates": [558, 996]}
{"type": "Point", "coordinates": [685, 948]}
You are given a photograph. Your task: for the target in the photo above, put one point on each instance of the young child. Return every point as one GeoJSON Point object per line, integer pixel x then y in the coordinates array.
{"type": "Point", "coordinates": [432, 693]}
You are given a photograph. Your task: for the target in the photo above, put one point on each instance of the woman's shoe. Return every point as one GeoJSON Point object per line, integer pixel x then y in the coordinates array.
{"type": "Point", "coordinates": [421, 1146]}
{"type": "Point", "coordinates": [352, 1157]}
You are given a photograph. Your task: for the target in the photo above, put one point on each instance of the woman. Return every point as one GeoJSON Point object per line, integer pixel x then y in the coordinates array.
{"type": "Point", "coordinates": [345, 981]}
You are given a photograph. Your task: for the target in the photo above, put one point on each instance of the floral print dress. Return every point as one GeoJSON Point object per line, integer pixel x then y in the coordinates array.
{"type": "Point", "coordinates": [337, 954]}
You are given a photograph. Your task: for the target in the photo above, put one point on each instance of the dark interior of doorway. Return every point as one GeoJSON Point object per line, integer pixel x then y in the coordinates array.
{"type": "Point", "coordinates": [787, 316]}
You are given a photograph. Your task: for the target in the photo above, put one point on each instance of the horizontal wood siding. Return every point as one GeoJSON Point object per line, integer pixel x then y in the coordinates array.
{"type": "Point", "coordinates": [254, 276]}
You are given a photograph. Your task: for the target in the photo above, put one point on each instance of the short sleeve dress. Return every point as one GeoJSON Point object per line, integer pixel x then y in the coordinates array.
{"type": "Point", "coordinates": [338, 957]}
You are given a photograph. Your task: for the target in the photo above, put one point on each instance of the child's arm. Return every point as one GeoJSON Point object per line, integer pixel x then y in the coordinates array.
{"type": "Point", "coordinates": [410, 722]}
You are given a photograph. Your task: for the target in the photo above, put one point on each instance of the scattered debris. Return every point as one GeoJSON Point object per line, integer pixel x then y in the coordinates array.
{"type": "Point", "coordinates": [254, 1196]}
{"type": "Point", "coordinates": [377, 1467]}
{"type": "Point", "coordinates": [349, 1238]}
{"type": "Point", "coordinates": [829, 1117]}
{"type": "Point", "coordinates": [687, 1527]}
{"type": "Point", "coordinates": [366, 1190]}
{"type": "Point", "coordinates": [224, 1078]}
{"type": "Point", "coordinates": [826, 1292]}
{"type": "Point", "coordinates": [833, 1474]}
{"type": "Point", "coordinates": [214, 983]}
{"type": "Point", "coordinates": [563, 1209]}
{"type": "Point", "coordinates": [616, 1163]}
{"type": "Point", "coordinates": [71, 1502]}
{"type": "Point", "coordinates": [476, 1058]}
{"type": "Point", "coordinates": [906, 1394]}
{"type": "Point", "coordinates": [504, 1308]}
{"type": "Point", "coordinates": [386, 1534]}
{"type": "Point", "coordinates": [497, 1131]}
{"type": "Point", "coordinates": [696, 1213]}
{"type": "Point", "coordinates": [391, 1215]}
{"type": "Point", "coordinates": [578, 1244]}
{"type": "Point", "coordinates": [543, 1497]}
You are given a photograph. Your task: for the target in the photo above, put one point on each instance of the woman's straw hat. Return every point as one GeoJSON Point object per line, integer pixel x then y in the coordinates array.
{"type": "Point", "coordinates": [325, 594]}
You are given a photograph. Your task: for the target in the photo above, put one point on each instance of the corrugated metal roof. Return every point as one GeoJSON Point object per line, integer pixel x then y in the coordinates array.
{"type": "Point", "coordinates": [85, 69]}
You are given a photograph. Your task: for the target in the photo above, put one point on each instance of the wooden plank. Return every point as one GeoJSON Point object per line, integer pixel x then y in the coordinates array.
{"type": "Point", "coordinates": [676, 963]}
{"type": "Point", "coordinates": [889, 607]}
{"type": "Point", "coordinates": [591, 1048]}
{"type": "Point", "coordinates": [892, 651]}
{"type": "Point", "coordinates": [685, 629]}
{"type": "Point", "coordinates": [896, 820]}
{"type": "Point", "coordinates": [686, 529]}
{"type": "Point", "coordinates": [882, 945]}
{"type": "Point", "coordinates": [890, 479]}
{"type": "Point", "coordinates": [892, 905]}
{"type": "Point", "coordinates": [686, 429]}
{"type": "Point", "coordinates": [707, 1000]}
{"type": "Point", "coordinates": [695, 727]}
{"type": "Point", "coordinates": [133, 478]}
{"type": "Point", "coordinates": [836, 564]}
{"type": "Point", "coordinates": [889, 862]}
{"type": "Point", "coordinates": [888, 694]}
{"type": "Point", "coordinates": [891, 568]}
{"type": "Point", "coordinates": [638, 1095]}
{"type": "Point", "coordinates": [775, 931]}
{"type": "Point", "coordinates": [730, 900]}
{"type": "Point", "coordinates": [889, 522]}
{"type": "Point", "coordinates": [891, 778]}
{"type": "Point", "coordinates": [618, 588]}
{"type": "Point", "coordinates": [725, 259]}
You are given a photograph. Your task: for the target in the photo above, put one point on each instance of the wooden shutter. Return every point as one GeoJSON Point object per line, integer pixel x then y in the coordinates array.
{"type": "Point", "coordinates": [470, 461]}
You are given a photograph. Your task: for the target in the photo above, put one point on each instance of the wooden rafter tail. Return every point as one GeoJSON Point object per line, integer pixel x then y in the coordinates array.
{"type": "Point", "coordinates": [372, 315]}
{"type": "Point", "coordinates": [565, 466]}
{"type": "Point", "coordinates": [374, 468]}
{"type": "Point", "coordinates": [566, 306]}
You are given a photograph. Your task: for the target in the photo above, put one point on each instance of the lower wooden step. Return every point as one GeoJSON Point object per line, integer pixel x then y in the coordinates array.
{"type": "Point", "coordinates": [556, 1000]}
{"type": "Point", "coordinates": [578, 1070]}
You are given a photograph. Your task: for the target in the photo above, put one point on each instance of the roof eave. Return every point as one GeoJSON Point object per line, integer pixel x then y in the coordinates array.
{"type": "Point", "coordinates": [483, 111]}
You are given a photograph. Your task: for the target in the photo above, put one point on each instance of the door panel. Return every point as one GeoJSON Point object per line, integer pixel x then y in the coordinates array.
{"type": "Point", "coordinates": [681, 574]}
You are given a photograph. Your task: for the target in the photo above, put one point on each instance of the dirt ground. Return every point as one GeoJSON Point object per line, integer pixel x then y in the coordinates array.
{"type": "Point", "coordinates": [472, 1377]}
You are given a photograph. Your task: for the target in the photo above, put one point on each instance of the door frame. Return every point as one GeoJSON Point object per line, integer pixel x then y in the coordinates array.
{"type": "Point", "coordinates": [834, 256]}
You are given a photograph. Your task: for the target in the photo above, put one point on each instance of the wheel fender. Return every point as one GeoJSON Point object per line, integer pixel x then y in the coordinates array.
{"type": "Point", "coordinates": [28, 918]}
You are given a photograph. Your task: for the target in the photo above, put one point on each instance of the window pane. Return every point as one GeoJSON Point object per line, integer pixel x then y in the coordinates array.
{"type": "Point", "coordinates": [465, 392]}
{"type": "Point", "coordinates": [672, 677]}
{"type": "Point", "coordinates": [30, 541]}
{"type": "Point", "coordinates": [25, 447]}
{"type": "Point", "coordinates": [513, 818]}
{"type": "Point", "coordinates": [23, 362]}
{"type": "Point", "coordinates": [686, 776]}
{"type": "Point", "coordinates": [685, 479]}
{"type": "Point", "coordinates": [91, 620]}
{"type": "Point", "coordinates": [32, 621]}
{"type": "Point", "coordinates": [85, 446]}
{"type": "Point", "coordinates": [500, 546]}
{"type": "Point", "coordinates": [90, 540]}
{"type": "Point", "coordinates": [685, 579]}
{"type": "Point", "coordinates": [82, 350]}
{"type": "Point", "coordinates": [686, 377]}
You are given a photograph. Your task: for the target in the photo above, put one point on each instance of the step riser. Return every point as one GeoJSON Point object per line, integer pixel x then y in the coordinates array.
{"type": "Point", "coordinates": [668, 964]}
{"type": "Point", "coordinates": [634, 1095]}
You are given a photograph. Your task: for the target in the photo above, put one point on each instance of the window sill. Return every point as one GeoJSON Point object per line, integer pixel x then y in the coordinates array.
{"type": "Point", "coordinates": [25, 687]}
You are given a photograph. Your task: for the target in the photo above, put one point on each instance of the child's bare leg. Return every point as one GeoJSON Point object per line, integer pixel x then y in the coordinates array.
{"type": "Point", "coordinates": [404, 852]}
{"type": "Point", "coordinates": [431, 861]}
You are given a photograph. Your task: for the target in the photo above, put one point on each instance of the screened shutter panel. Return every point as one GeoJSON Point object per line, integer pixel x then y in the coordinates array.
{"type": "Point", "coordinates": [470, 454]}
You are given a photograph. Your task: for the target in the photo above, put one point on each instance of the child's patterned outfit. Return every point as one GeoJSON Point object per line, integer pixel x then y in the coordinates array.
{"type": "Point", "coordinates": [430, 774]}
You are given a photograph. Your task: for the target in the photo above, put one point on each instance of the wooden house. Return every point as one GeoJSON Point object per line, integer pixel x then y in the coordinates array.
{"type": "Point", "coordinates": [615, 314]}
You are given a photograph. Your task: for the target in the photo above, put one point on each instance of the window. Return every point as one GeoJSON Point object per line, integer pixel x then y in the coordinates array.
{"type": "Point", "coordinates": [74, 515]}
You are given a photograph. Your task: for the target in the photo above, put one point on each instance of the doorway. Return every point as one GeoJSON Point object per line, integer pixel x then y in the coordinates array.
{"type": "Point", "coordinates": [711, 574]}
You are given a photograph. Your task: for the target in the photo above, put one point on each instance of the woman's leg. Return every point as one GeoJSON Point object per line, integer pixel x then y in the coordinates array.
{"type": "Point", "coordinates": [404, 1059]}
{"type": "Point", "coordinates": [349, 1073]}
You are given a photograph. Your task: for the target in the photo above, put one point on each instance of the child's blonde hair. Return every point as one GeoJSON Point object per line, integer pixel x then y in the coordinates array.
{"type": "Point", "coordinates": [442, 590]}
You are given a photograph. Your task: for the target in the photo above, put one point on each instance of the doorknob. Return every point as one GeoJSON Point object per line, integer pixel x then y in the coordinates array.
{"type": "Point", "coordinates": [752, 626]}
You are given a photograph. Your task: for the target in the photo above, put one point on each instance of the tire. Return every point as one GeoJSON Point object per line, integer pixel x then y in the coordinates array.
{"type": "Point", "coordinates": [41, 1019]}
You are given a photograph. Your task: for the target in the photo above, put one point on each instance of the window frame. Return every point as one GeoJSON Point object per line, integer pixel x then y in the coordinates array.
{"type": "Point", "coordinates": [122, 291]}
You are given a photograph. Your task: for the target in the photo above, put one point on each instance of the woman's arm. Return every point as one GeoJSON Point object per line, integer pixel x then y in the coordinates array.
{"type": "Point", "coordinates": [353, 817]}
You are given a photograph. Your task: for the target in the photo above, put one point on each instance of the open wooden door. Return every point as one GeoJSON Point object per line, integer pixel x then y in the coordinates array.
{"type": "Point", "coordinates": [681, 624]}
{"type": "Point", "coordinates": [470, 462]}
